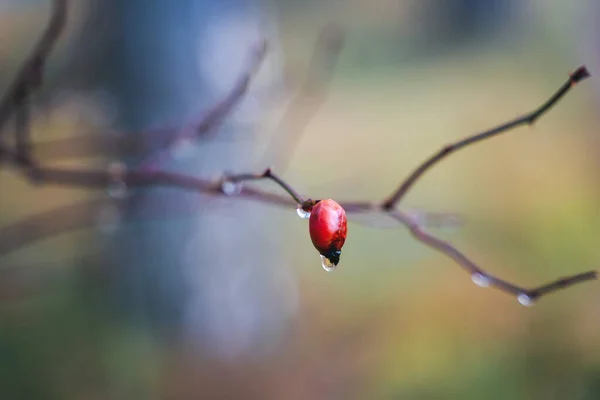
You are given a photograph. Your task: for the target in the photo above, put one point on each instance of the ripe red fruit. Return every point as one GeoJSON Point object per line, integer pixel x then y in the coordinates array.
{"type": "Point", "coordinates": [328, 227]}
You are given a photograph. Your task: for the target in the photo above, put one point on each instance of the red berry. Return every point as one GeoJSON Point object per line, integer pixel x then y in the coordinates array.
{"type": "Point", "coordinates": [328, 228]}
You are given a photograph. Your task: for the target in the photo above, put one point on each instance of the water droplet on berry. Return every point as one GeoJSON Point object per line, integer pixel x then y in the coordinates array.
{"type": "Point", "coordinates": [327, 264]}
{"type": "Point", "coordinates": [525, 300]}
{"type": "Point", "coordinates": [480, 280]}
{"type": "Point", "coordinates": [230, 188]}
{"type": "Point", "coordinates": [302, 213]}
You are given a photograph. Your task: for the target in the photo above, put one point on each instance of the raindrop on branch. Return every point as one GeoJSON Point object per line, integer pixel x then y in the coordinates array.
{"type": "Point", "coordinates": [231, 188]}
{"type": "Point", "coordinates": [480, 280]}
{"type": "Point", "coordinates": [525, 300]}
{"type": "Point", "coordinates": [302, 213]}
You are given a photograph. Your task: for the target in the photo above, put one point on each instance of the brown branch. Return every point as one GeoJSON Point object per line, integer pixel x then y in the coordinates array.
{"type": "Point", "coordinates": [267, 174]}
{"type": "Point", "coordinates": [580, 74]}
{"type": "Point", "coordinates": [81, 215]}
{"type": "Point", "coordinates": [30, 75]}
{"type": "Point", "coordinates": [481, 277]}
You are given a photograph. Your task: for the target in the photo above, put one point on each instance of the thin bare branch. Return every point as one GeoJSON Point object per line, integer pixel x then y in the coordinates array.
{"type": "Point", "coordinates": [210, 120]}
{"type": "Point", "coordinates": [268, 174]}
{"type": "Point", "coordinates": [483, 278]}
{"type": "Point", "coordinates": [580, 74]}
{"type": "Point", "coordinates": [30, 75]}
{"type": "Point", "coordinates": [221, 110]}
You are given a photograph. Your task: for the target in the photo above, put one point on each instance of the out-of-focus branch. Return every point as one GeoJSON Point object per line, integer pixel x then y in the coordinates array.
{"type": "Point", "coordinates": [210, 120]}
{"type": "Point", "coordinates": [309, 98]}
{"type": "Point", "coordinates": [30, 75]}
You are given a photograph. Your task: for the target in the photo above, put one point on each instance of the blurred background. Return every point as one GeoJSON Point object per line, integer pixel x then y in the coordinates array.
{"type": "Point", "coordinates": [166, 294]}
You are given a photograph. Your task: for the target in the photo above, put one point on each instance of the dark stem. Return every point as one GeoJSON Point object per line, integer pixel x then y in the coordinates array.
{"type": "Point", "coordinates": [267, 174]}
{"type": "Point", "coordinates": [31, 71]}
{"type": "Point", "coordinates": [580, 74]}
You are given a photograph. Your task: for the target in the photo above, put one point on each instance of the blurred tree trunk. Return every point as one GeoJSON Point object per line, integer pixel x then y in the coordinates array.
{"type": "Point", "coordinates": [212, 277]}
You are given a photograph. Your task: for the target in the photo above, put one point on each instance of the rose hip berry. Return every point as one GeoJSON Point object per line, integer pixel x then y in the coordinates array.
{"type": "Point", "coordinates": [328, 227]}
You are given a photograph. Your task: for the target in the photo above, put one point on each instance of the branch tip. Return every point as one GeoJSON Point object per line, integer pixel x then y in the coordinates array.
{"type": "Point", "coordinates": [580, 74]}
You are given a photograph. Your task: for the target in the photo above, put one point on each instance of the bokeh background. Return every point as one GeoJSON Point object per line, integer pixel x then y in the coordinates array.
{"type": "Point", "coordinates": [166, 294]}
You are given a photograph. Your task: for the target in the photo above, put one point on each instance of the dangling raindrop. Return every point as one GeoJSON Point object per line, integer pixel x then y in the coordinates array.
{"type": "Point", "coordinates": [480, 280]}
{"type": "Point", "coordinates": [231, 188]}
{"type": "Point", "coordinates": [327, 264]}
{"type": "Point", "coordinates": [525, 300]}
{"type": "Point", "coordinates": [302, 213]}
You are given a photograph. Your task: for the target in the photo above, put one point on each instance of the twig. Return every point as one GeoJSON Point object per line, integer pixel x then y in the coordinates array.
{"type": "Point", "coordinates": [580, 74]}
{"type": "Point", "coordinates": [30, 75]}
{"type": "Point", "coordinates": [309, 98]}
{"type": "Point", "coordinates": [483, 278]}
{"type": "Point", "coordinates": [145, 178]}
{"type": "Point", "coordinates": [267, 174]}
